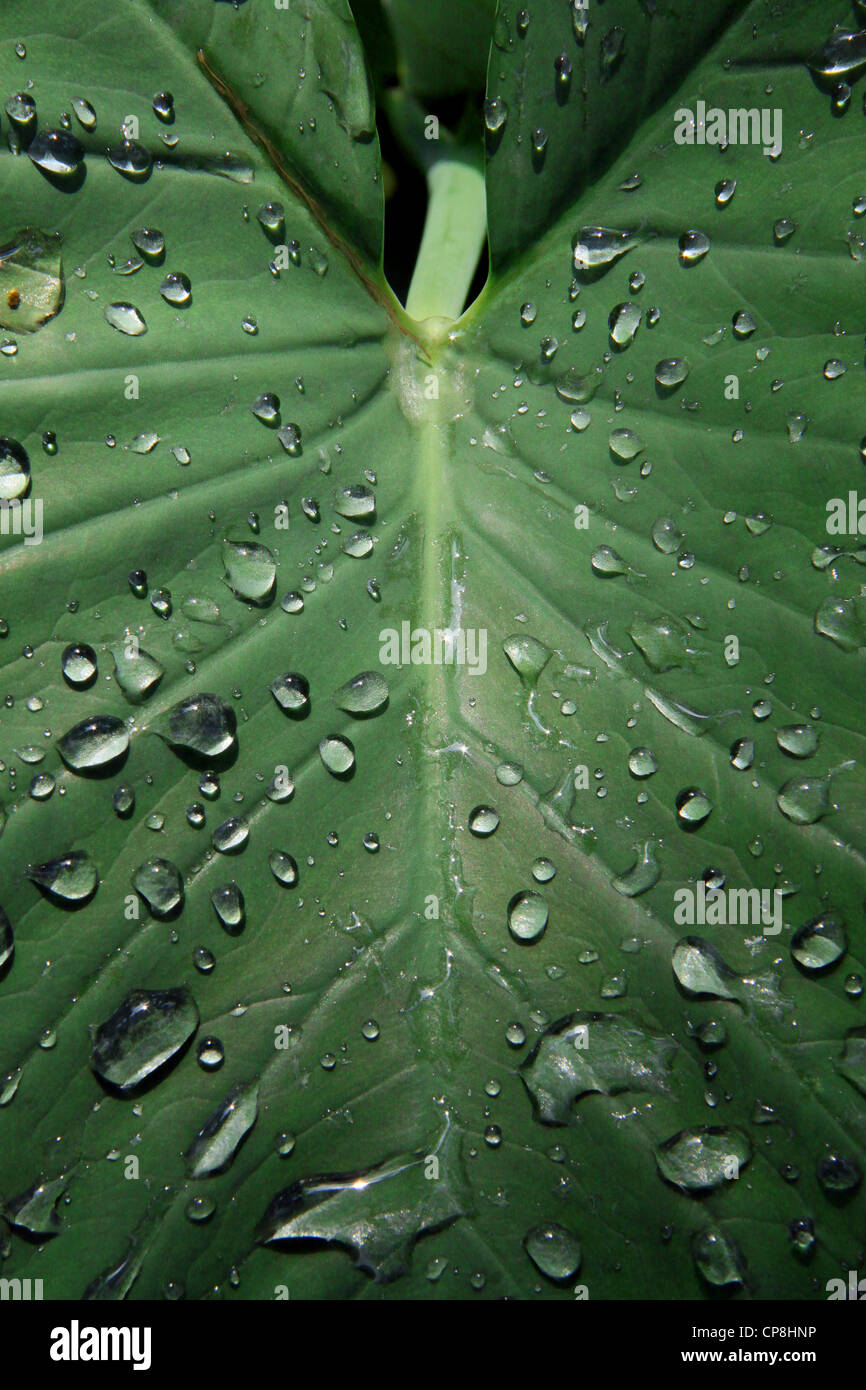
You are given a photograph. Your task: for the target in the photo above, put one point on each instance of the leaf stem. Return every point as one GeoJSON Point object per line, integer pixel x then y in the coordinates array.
{"type": "Point", "coordinates": [453, 239]}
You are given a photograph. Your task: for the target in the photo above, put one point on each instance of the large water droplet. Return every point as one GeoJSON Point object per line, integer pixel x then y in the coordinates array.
{"type": "Point", "coordinates": [202, 724]}
{"type": "Point", "coordinates": [593, 1052]}
{"type": "Point", "coordinates": [57, 152]}
{"type": "Point", "coordinates": [94, 742]}
{"type": "Point", "coordinates": [700, 1159]}
{"type": "Point", "coordinates": [71, 878]}
{"type": "Point", "coordinates": [160, 883]}
{"type": "Point", "coordinates": [250, 570]}
{"type": "Point", "coordinates": [148, 1028]}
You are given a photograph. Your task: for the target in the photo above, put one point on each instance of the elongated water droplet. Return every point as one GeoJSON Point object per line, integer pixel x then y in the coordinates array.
{"type": "Point", "coordinates": [135, 670]}
{"type": "Point", "coordinates": [218, 1140]}
{"type": "Point", "coordinates": [228, 903]}
{"type": "Point", "coordinates": [598, 247]}
{"type": "Point", "coordinates": [593, 1052]}
{"type": "Point", "coordinates": [283, 867]}
{"type": "Point", "coordinates": [231, 835]}
{"type": "Point", "coordinates": [643, 874]}
{"type": "Point", "coordinates": [35, 1211]}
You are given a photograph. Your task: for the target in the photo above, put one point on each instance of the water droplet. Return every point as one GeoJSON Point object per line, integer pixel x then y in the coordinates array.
{"type": "Point", "coordinates": [840, 620]}
{"type": "Point", "coordinates": [150, 242]}
{"type": "Point", "coordinates": [35, 1211]}
{"type": "Point", "coordinates": [804, 800]}
{"type": "Point", "coordinates": [202, 724]}
{"type": "Point", "coordinates": [606, 561]}
{"type": "Point", "coordinates": [337, 754]}
{"type": "Point", "coordinates": [718, 1259]}
{"type": "Point", "coordinates": [126, 319]}
{"type": "Point", "coordinates": [14, 469]}
{"type": "Point", "coordinates": [527, 916]}
{"type": "Point", "coordinates": [697, 1160]}
{"type": "Point", "coordinates": [693, 247]}
{"type": "Point", "coordinates": [210, 1054]}
{"type": "Point", "coordinates": [842, 55]}
{"type": "Point", "coordinates": [283, 867]}
{"type": "Point", "coordinates": [218, 1140]}
{"type": "Point", "coordinates": [57, 152]}
{"type": "Point", "coordinates": [838, 1173]}
{"type": "Point", "coordinates": [364, 694]}
{"type": "Point", "coordinates": [597, 248]}
{"type": "Point", "coordinates": [671, 372]}
{"type": "Point", "coordinates": [137, 672]}
{"type": "Point", "coordinates": [554, 1251]}
{"type": "Point", "coordinates": [693, 807]}
{"type": "Point", "coordinates": [231, 835]}
{"type": "Point", "coordinates": [228, 903]}
{"type": "Point", "coordinates": [292, 694]}
{"type": "Point", "coordinates": [623, 323]}
{"type": "Point", "coordinates": [495, 114]}
{"type": "Point", "coordinates": [483, 821]}
{"type": "Point", "coordinates": [160, 884]}
{"type": "Point", "coordinates": [176, 289]}
{"type": "Point", "coordinates": [94, 742]}
{"type": "Point", "coordinates": [593, 1052]}
{"type": "Point", "coordinates": [644, 873]}
{"type": "Point", "coordinates": [7, 940]}
{"type": "Point", "coordinates": [820, 943]}
{"type": "Point", "coordinates": [250, 570]}
{"type": "Point", "coordinates": [625, 445]}
{"type": "Point", "coordinates": [798, 740]}
{"type": "Point", "coordinates": [147, 1029]}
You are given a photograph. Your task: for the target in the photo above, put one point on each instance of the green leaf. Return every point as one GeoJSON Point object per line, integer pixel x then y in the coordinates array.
{"type": "Point", "coordinates": [385, 974]}
{"type": "Point", "coordinates": [442, 52]}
